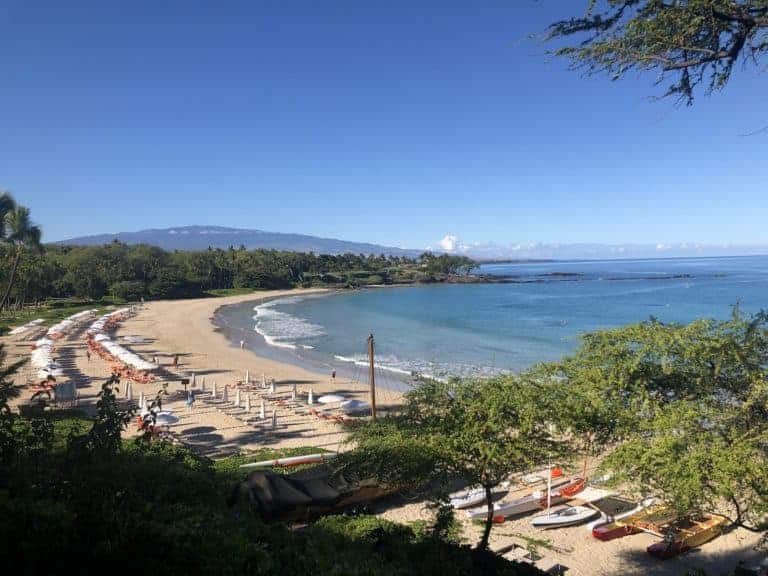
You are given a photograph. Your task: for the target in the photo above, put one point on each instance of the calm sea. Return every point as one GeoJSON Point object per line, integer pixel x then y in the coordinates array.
{"type": "Point", "coordinates": [488, 328]}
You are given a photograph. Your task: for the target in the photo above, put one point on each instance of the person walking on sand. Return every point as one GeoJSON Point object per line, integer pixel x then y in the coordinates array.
{"type": "Point", "coordinates": [333, 376]}
{"type": "Point", "coordinates": [88, 354]}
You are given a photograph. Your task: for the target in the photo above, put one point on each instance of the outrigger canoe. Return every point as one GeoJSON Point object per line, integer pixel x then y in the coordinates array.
{"type": "Point", "coordinates": [568, 516]}
{"type": "Point", "coordinates": [474, 496]}
{"type": "Point", "coordinates": [687, 533]}
{"type": "Point", "coordinates": [652, 518]}
{"type": "Point", "coordinates": [533, 501]}
{"type": "Point", "coordinates": [602, 527]}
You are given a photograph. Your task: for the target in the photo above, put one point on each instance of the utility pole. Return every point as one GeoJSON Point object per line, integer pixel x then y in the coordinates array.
{"type": "Point", "coordinates": [371, 377]}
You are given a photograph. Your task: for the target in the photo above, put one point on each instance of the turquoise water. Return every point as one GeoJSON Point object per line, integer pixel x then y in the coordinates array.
{"type": "Point", "coordinates": [488, 328]}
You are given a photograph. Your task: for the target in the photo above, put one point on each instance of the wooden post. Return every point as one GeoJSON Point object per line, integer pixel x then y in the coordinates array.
{"type": "Point", "coordinates": [371, 377]}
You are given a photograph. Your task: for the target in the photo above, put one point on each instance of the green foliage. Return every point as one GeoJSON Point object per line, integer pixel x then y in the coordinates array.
{"type": "Point", "coordinates": [74, 498]}
{"type": "Point", "coordinates": [687, 406]}
{"type": "Point", "coordinates": [480, 431]}
{"type": "Point", "coordinates": [128, 290]}
{"type": "Point", "coordinates": [694, 41]}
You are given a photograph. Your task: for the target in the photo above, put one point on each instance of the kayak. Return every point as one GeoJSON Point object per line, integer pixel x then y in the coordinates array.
{"type": "Point", "coordinates": [521, 505]}
{"type": "Point", "coordinates": [474, 496]}
{"type": "Point", "coordinates": [568, 516]}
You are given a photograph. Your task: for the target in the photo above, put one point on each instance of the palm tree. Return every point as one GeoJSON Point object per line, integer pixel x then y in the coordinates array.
{"type": "Point", "coordinates": [7, 203]}
{"type": "Point", "coordinates": [22, 233]}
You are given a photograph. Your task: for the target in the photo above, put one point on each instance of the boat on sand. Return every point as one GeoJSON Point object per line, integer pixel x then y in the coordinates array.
{"type": "Point", "coordinates": [475, 496]}
{"type": "Point", "coordinates": [533, 501]}
{"type": "Point", "coordinates": [687, 533]}
{"type": "Point", "coordinates": [568, 516]}
{"type": "Point", "coordinates": [610, 527]}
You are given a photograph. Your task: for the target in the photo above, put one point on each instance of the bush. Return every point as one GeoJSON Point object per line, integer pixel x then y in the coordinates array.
{"type": "Point", "coordinates": [128, 290]}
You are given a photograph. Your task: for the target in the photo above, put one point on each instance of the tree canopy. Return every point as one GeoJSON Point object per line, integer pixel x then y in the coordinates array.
{"type": "Point", "coordinates": [684, 407]}
{"type": "Point", "coordinates": [690, 44]}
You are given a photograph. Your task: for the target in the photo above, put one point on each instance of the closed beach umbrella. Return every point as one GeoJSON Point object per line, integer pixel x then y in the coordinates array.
{"type": "Point", "coordinates": [263, 380]}
{"type": "Point", "coordinates": [272, 385]}
{"type": "Point", "coordinates": [262, 411]}
{"type": "Point", "coordinates": [141, 399]}
{"type": "Point", "coordinates": [190, 399]}
{"type": "Point", "coordinates": [202, 384]}
{"type": "Point", "coordinates": [274, 418]}
{"type": "Point", "coordinates": [247, 402]}
{"type": "Point", "coordinates": [237, 398]}
{"type": "Point", "coordinates": [192, 380]}
{"type": "Point", "coordinates": [213, 390]}
{"type": "Point", "coordinates": [129, 390]}
{"type": "Point", "coordinates": [293, 391]}
{"type": "Point", "coordinates": [310, 397]}
{"type": "Point", "coordinates": [224, 395]}
{"type": "Point", "coordinates": [247, 377]}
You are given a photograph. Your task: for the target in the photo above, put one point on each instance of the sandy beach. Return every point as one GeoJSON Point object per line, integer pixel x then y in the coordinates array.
{"type": "Point", "coordinates": [215, 427]}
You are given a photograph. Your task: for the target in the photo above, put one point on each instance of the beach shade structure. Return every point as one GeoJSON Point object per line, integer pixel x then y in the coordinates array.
{"type": "Point", "coordinates": [166, 418]}
{"type": "Point", "coordinates": [224, 395]}
{"type": "Point", "coordinates": [262, 411]}
{"type": "Point", "coordinates": [247, 402]}
{"type": "Point", "coordinates": [263, 380]}
{"type": "Point", "coordinates": [274, 418]}
{"type": "Point", "coordinates": [247, 377]}
{"type": "Point", "coordinates": [237, 397]}
{"type": "Point", "coordinates": [310, 397]}
{"type": "Point", "coordinates": [272, 385]}
{"type": "Point", "coordinates": [331, 398]}
{"type": "Point", "coordinates": [354, 406]}
{"type": "Point", "coordinates": [213, 390]}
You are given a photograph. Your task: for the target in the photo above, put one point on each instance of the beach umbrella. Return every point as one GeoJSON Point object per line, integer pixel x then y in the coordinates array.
{"type": "Point", "coordinates": [202, 384]}
{"type": "Point", "coordinates": [247, 377]}
{"type": "Point", "coordinates": [141, 399]}
{"type": "Point", "coordinates": [274, 418]}
{"type": "Point", "coordinates": [190, 399]}
{"type": "Point", "coordinates": [310, 397]}
{"type": "Point", "coordinates": [167, 418]}
{"type": "Point", "coordinates": [247, 402]}
{"type": "Point", "coordinates": [263, 380]}
{"type": "Point", "coordinates": [262, 411]}
{"type": "Point", "coordinates": [129, 390]}
{"type": "Point", "coordinates": [272, 385]}
{"type": "Point", "coordinates": [352, 406]}
{"type": "Point", "coordinates": [224, 395]}
{"type": "Point", "coordinates": [213, 390]}
{"type": "Point", "coordinates": [293, 391]}
{"type": "Point", "coordinates": [192, 380]}
{"type": "Point", "coordinates": [331, 398]}
{"type": "Point", "coordinates": [237, 398]}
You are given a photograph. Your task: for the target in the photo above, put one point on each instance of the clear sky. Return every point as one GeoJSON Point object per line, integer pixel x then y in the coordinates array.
{"type": "Point", "coordinates": [392, 121]}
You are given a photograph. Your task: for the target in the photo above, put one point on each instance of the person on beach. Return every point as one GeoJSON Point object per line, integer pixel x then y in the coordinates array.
{"type": "Point", "coordinates": [175, 360]}
{"type": "Point", "coordinates": [333, 375]}
{"type": "Point", "coordinates": [88, 354]}
{"type": "Point", "coordinates": [242, 344]}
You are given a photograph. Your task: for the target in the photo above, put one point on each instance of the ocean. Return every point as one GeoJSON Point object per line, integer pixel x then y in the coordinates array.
{"type": "Point", "coordinates": [485, 329]}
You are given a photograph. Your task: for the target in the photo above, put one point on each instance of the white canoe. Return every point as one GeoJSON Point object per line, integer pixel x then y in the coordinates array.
{"type": "Point", "coordinates": [568, 516]}
{"type": "Point", "coordinates": [474, 496]}
{"type": "Point", "coordinates": [292, 460]}
{"type": "Point", "coordinates": [608, 518]}
{"type": "Point", "coordinates": [521, 505]}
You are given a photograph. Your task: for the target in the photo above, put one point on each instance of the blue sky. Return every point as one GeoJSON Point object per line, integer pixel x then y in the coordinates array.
{"type": "Point", "coordinates": [395, 122]}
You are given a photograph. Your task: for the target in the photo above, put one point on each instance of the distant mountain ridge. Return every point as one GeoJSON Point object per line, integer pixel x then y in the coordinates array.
{"type": "Point", "coordinates": [204, 237]}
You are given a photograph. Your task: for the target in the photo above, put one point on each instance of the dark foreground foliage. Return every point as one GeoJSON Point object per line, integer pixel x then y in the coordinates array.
{"type": "Point", "coordinates": [73, 500]}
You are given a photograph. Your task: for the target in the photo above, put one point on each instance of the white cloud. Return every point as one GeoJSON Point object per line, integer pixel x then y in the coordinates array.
{"type": "Point", "coordinates": [450, 243]}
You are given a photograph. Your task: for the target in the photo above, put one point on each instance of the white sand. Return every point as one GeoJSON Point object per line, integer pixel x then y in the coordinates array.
{"type": "Point", "coordinates": [184, 327]}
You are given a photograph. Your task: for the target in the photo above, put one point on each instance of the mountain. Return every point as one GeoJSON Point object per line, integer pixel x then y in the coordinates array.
{"type": "Point", "coordinates": [203, 237]}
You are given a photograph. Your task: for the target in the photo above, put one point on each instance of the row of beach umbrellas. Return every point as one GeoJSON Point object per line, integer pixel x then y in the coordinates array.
{"type": "Point", "coordinates": [42, 352]}
{"type": "Point", "coordinates": [97, 332]}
